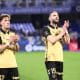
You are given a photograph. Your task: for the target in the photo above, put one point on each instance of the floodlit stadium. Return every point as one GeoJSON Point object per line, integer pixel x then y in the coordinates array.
{"type": "Point", "coordinates": [28, 18]}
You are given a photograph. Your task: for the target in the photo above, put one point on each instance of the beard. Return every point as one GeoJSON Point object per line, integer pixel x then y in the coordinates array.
{"type": "Point", "coordinates": [55, 22]}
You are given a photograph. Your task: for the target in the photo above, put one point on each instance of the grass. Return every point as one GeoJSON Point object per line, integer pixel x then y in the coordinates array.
{"type": "Point", "coordinates": [31, 66]}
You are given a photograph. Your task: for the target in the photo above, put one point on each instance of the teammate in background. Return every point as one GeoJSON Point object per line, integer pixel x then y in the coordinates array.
{"type": "Point", "coordinates": [8, 46]}
{"type": "Point", "coordinates": [53, 36]}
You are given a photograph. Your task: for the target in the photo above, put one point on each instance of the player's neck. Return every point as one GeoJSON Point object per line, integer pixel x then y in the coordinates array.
{"type": "Point", "coordinates": [53, 24]}
{"type": "Point", "coordinates": [5, 30]}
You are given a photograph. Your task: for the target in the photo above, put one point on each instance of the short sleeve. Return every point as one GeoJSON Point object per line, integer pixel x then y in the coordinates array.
{"type": "Point", "coordinates": [45, 32]}
{"type": "Point", "coordinates": [0, 40]}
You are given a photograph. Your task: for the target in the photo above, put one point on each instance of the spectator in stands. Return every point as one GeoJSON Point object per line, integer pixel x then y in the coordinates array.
{"type": "Point", "coordinates": [79, 42]}
{"type": "Point", "coordinates": [73, 45]}
{"type": "Point", "coordinates": [32, 3]}
{"type": "Point", "coordinates": [20, 3]}
{"type": "Point", "coordinates": [2, 4]}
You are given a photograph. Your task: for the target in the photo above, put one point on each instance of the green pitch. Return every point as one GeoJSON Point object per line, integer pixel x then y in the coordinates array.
{"type": "Point", "coordinates": [31, 66]}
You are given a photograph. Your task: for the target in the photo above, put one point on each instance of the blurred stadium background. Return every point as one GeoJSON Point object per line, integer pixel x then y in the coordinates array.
{"type": "Point", "coordinates": [28, 19]}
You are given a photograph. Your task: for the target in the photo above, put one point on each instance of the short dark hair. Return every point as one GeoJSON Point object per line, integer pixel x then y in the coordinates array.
{"type": "Point", "coordinates": [4, 15]}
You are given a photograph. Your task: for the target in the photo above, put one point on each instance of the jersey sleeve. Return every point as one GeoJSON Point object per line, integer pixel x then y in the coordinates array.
{"type": "Point", "coordinates": [45, 32]}
{"type": "Point", "coordinates": [0, 40]}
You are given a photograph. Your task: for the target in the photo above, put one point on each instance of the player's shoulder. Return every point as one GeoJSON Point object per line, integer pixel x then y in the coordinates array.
{"type": "Point", "coordinates": [45, 28]}
{"type": "Point", "coordinates": [46, 31]}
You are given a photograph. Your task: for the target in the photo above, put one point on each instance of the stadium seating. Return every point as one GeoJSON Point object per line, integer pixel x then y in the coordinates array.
{"type": "Point", "coordinates": [25, 27]}
{"type": "Point", "coordinates": [27, 43]}
{"type": "Point", "coordinates": [31, 3]}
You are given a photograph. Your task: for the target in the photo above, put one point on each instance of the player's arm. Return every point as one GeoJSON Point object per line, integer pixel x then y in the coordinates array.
{"type": "Point", "coordinates": [51, 38]}
{"type": "Point", "coordinates": [3, 46]}
{"type": "Point", "coordinates": [66, 37]}
{"type": "Point", "coordinates": [54, 38]}
{"type": "Point", "coordinates": [14, 47]}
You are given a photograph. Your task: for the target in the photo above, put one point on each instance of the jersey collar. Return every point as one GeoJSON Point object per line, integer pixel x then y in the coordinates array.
{"type": "Point", "coordinates": [53, 27]}
{"type": "Point", "coordinates": [3, 31]}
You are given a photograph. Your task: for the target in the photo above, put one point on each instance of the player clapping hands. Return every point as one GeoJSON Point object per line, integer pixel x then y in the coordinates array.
{"type": "Point", "coordinates": [13, 42]}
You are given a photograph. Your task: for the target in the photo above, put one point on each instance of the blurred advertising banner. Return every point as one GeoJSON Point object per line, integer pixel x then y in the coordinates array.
{"type": "Point", "coordinates": [35, 10]}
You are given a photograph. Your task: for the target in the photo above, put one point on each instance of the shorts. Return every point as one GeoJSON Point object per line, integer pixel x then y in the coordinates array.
{"type": "Point", "coordinates": [54, 70]}
{"type": "Point", "coordinates": [9, 74]}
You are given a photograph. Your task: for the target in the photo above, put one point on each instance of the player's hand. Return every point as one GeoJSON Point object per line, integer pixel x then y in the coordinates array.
{"type": "Point", "coordinates": [13, 39]}
{"type": "Point", "coordinates": [66, 25]}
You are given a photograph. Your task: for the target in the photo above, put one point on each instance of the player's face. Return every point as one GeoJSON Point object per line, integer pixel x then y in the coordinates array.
{"type": "Point", "coordinates": [5, 22]}
{"type": "Point", "coordinates": [54, 17]}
